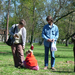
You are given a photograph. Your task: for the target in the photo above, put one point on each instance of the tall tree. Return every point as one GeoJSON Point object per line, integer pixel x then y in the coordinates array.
{"type": "Point", "coordinates": [66, 28]}
{"type": "Point", "coordinates": [7, 20]}
{"type": "Point", "coordinates": [29, 8]}
{"type": "Point", "coordinates": [35, 12]}
{"type": "Point", "coordinates": [58, 9]}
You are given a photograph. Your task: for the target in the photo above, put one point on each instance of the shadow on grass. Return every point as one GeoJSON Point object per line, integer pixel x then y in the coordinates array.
{"type": "Point", "coordinates": [6, 53]}
{"type": "Point", "coordinates": [60, 71]}
{"type": "Point", "coordinates": [56, 56]}
{"type": "Point", "coordinates": [11, 65]}
{"type": "Point", "coordinates": [37, 54]}
{"type": "Point", "coordinates": [59, 56]}
{"type": "Point", "coordinates": [64, 71]}
{"type": "Point", "coordinates": [6, 65]}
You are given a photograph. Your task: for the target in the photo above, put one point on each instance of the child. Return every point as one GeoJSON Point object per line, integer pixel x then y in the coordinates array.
{"type": "Point", "coordinates": [30, 61]}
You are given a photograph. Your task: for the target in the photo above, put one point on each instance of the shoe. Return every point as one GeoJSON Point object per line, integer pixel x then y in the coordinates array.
{"type": "Point", "coordinates": [53, 68]}
{"type": "Point", "coordinates": [45, 68]}
{"type": "Point", "coordinates": [22, 66]}
{"type": "Point", "coordinates": [16, 66]}
{"type": "Point", "coordinates": [19, 66]}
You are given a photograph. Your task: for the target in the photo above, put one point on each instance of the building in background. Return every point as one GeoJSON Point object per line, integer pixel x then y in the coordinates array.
{"type": "Point", "coordinates": [2, 35]}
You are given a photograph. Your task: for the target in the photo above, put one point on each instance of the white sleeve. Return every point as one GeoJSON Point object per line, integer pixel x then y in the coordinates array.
{"type": "Point", "coordinates": [23, 36]}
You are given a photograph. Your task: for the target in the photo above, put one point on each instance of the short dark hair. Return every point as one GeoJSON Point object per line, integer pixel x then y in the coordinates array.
{"type": "Point", "coordinates": [49, 18]}
{"type": "Point", "coordinates": [22, 22]}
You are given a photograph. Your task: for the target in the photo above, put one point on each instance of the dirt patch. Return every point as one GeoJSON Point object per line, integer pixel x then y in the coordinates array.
{"type": "Point", "coordinates": [70, 62]}
{"type": "Point", "coordinates": [66, 62]}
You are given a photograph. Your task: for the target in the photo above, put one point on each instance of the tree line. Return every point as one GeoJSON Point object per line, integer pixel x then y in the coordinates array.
{"type": "Point", "coordinates": [35, 13]}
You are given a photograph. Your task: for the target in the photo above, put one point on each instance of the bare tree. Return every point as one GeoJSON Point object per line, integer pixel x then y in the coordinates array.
{"type": "Point", "coordinates": [7, 20]}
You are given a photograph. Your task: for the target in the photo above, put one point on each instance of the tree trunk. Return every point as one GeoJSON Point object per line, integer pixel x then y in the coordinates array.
{"type": "Point", "coordinates": [31, 38]}
{"type": "Point", "coordinates": [32, 34]}
{"type": "Point", "coordinates": [7, 20]}
{"type": "Point", "coordinates": [67, 42]}
{"type": "Point", "coordinates": [73, 40]}
{"type": "Point", "coordinates": [41, 42]}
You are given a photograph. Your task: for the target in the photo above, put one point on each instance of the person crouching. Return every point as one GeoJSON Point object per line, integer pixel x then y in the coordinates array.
{"type": "Point", "coordinates": [30, 62]}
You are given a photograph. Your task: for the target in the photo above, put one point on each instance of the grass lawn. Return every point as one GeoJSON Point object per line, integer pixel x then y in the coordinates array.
{"type": "Point", "coordinates": [64, 61]}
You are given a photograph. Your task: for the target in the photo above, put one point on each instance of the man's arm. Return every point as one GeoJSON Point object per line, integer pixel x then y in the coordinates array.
{"type": "Point", "coordinates": [43, 34]}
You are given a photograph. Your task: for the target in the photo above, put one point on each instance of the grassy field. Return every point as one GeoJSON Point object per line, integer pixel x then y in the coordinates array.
{"type": "Point", "coordinates": [64, 61]}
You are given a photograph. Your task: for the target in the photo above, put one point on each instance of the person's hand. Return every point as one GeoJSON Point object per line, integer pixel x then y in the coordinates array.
{"type": "Point", "coordinates": [23, 47]}
{"type": "Point", "coordinates": [52, 40]}
{"type": "Point", "coordinates": [49, 40]}
{"type": "Point", "coordinates": [15, 35]}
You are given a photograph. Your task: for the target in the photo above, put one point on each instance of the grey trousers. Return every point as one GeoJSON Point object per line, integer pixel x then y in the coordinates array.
{"type": "Point", "coordinates": [18, 54]}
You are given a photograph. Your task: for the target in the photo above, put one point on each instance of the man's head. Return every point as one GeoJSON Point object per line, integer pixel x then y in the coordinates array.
{"type": "Point", "coordinates": [49, 19]}
{"type": "Point", "coordinates": [22, 23]}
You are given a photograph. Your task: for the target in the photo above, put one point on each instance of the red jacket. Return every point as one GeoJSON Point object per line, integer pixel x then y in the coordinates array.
{"type": "Point", "coordinates": [30, 60]}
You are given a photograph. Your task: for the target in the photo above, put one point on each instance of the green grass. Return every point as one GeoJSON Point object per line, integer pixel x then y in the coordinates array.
{"type": "Point", "coordinates": [63, 55]}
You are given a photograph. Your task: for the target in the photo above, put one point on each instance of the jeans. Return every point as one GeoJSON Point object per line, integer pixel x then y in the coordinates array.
{"type": "Point", "coordinates": [52, 56]}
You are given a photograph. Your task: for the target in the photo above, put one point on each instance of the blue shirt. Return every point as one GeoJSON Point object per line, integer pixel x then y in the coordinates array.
{"type": "Point", "coordinates": [50, 33]}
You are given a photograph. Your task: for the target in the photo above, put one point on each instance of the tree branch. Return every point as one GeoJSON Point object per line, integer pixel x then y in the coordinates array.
{"type": "Point", "coordinates": [57, 10]}
{"type": "Point", "coordinates": [64, 16]}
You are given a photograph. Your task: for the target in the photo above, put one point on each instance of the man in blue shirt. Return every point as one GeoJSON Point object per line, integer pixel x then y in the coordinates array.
{"type": "Point", "coordinates": [50, 34]}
